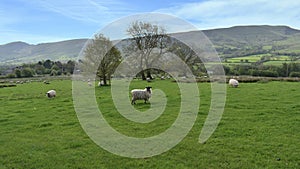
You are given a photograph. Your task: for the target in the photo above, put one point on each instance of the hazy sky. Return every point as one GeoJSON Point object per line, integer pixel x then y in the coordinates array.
{"type": "Point", "coordinates": [39, 21]}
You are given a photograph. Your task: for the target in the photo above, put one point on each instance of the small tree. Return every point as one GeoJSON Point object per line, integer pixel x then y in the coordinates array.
{"type": "Point", "coordinates": [186, 54]}
{"type": "Point", "coordinates": [55, 67]}
{"type": "Point", "coordinates": [102, 56]}
{"type": "Point", "coordinates": [27, 72]}
{"type": "Point", "coordinates": [39, 69]}
{"type": "Point", "coordinates": [18, 73]}
{"type": "Point", "coordinates": [70, 65]}
{"type": "Point", "coordinates": [53, 72]}
{"type": "Point", "coordinates": [48, 64]}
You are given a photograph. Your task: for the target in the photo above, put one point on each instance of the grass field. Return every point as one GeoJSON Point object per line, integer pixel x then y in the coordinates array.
{"type": "Point", "coordinates": [251, 59]}
{"type": "Point", "coordinates": [259, 129]}
{"type": "Point", "coordinates": [277, 61]}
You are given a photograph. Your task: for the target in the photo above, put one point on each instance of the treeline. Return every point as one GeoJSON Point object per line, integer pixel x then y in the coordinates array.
{"type": "Point", "coordinates": [285, 70]}
{"type": "Point", "coordinates": [56, 68]}
{"type": "Point", "coordinates": [47, 67]}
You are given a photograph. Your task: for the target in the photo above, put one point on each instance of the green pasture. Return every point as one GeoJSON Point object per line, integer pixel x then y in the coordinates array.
{"type": "Point", "coordinates": [278, 62]}
{"type": "Point", "coordinates": [274, 60]}
{"type": "Point", "coordinates": [251, 59]}
{"type": "Point", "coordinates": [259, 129]}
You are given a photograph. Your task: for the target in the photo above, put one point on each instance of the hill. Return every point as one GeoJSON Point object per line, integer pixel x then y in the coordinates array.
{"type": "Point", "coordinates": [250, 35]}
{"type": "Point", "coordinates": [20, 52]}
{"type": "Point", "coordinates": [247, 40]}
{"type": "Point", "coordinates": [230, 42]}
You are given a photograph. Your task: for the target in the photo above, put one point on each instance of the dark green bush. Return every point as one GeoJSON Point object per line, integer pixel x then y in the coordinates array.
{"type": "Point", "coordinates": [265, 73]}
{"type": "Point", "coordinates": [295, 74]}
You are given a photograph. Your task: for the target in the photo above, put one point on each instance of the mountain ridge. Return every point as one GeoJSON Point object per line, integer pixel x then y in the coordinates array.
{"type": "Point", "coordinates": [229, 42]}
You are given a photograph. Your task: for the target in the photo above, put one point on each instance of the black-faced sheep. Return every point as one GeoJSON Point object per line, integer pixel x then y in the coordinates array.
{"type": "Point", "coordinates": [51, 93]}
{"type": "Point", "coordinates": [233, 83]}
{"type": "Point", "coordinates": [141, 94]}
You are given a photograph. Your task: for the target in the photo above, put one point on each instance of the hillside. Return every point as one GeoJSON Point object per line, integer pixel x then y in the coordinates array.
{"type": "Point", "coordinates": [250, 35]}
{"type": "Point", "coordinates": [20, 52]}
{"type": "Point", "coordinates": [247, 40]}
{"type": "Point", "coordinates": [230, 42]}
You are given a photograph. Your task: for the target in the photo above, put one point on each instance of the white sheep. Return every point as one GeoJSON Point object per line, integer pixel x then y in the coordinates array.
{"type": "Point", "coordinates": [101, 83]}
{"type": "Point", "coordinates": [148, 79]}
{"type": "Point", "coordinates": [233, 83]}
{"type": "Point", "coordinates": [141, 94]}
{"type": "Point", "coordinates": [51, 93]}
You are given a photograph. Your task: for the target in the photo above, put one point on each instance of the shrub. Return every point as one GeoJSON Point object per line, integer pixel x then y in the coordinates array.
{"type": "Point", "coordinates": [295, 74]}
{"type": "Point", "coordinates": [17, 72]}
{"type": "Point", "coordinates": [265, 73]}
{"type": "Point", "coordinates": [11, 75]}
{"type": "Point", "coordinates": [53, 73]}
{"type": "Point", "coordinates": [27, 72]}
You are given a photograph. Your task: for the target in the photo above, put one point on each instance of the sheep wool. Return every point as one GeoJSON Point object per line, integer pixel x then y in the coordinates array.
{"type": "Point", "coordinates": [233, 83]}
{"type": "Point", "coordinates": [141, 94]}
{"type": "Point", "coordinates": [51, 93]}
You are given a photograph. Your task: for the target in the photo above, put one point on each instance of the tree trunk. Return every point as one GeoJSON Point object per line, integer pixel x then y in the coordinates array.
{"type": "Point", "coordinates": [149, 74]}
{"type": "Point", "coordinates": [104, 80]}
{"type": "Point", "coordinates": [143, 75]}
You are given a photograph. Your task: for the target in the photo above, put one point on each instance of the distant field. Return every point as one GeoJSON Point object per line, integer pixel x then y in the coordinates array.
{"type": "Point", "coordinates": [259, 129]}
{"type": "Point", "coordinates": [253, 58]}
{"type": "Point", "coordinates": [277, 60]}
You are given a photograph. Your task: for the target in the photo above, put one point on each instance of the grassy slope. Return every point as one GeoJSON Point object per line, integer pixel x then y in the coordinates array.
{"type": "Point", "coordinates": [260, 125]}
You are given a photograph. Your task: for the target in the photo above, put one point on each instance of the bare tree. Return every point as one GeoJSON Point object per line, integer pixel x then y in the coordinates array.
{"type": "Point", "coordinates": [148, 43]}
{"type": "Point", "coordinates": [101, 56]}
{"type": "Point", "coordinates": [186, 54]}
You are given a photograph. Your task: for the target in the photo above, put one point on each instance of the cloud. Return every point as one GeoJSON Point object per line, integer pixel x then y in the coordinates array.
{"type": "Point", "coordinates": [220, 13]}
{"type": "Point", "coordinates": [87, 11]}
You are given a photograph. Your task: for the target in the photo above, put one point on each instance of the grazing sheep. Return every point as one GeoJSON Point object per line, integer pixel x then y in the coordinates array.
{"type": "Point", "coordinates": [51, 93]}
{"type": "Point", "coordinates": [141, 94]}
{"type": "Point", "coordinates": [148, 79]}
{"type": "Point", "coordinates": [233, 83]}
{"type": "Point", "coordinates": [101, 83]}
{"type": "Point", "coordinates": [90, 83]}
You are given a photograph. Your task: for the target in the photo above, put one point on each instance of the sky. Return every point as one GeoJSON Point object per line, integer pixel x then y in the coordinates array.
{"type": "Point", "coordinates": [41, 21]}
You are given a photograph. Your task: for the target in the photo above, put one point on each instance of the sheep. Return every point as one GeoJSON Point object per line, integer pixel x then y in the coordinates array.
{"type": "Point", "coordinates": [101, 83]}
{"type": "Point", "coordinates": [51, 93]}
{"type": "Point", "coordinates": [148, 79]}
{"type": "Point", "coordinates": [141, 94]}
{"type": "Point", "coordinates": [233, 83]}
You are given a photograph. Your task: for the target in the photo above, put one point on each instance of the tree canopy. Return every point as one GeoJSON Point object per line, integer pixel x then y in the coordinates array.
{"type": "Point", "coordinates": [101, 57]}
